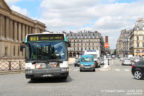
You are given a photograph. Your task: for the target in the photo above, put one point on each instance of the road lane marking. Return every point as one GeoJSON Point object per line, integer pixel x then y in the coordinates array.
{"type": "Point", "coordinates": [127, 70]}
{"type": "Point", "coordinates": [117, 69]}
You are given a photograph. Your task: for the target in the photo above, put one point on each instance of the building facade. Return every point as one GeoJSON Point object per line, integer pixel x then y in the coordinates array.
{"type": "Point", "coordinates": [123, 43]}
{"type": "Point", "coordinates": [13, 29]}
{"type": "Point", "coordinates": [137, 38]}
{"type": "Point", "coordinates": [82, 41]}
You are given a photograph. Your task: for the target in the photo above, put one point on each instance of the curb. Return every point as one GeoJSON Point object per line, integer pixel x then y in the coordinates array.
{"type": "Point", "coordinates": [11, 72]}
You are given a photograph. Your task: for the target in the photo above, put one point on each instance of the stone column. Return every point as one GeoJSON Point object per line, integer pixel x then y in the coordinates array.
{"type": "Point", "coordinates": [11, 30]}
{"type": "Point", "coordinates": [15, 31]}
{"type": "Point", "coordinates": [7, 29]}
{"type": "Point", "coordinates": [26, 29]}
{"type": "Point", "coordinates": [33, 30]}
{"type": "Point", "coordinates": [30, 30]}
{"type": "Point", "coordinates": [20, 31]}
{"type": "Point", "coordinates": [23, 32]}
{"type": "Point", "coordinates": [0, 27]}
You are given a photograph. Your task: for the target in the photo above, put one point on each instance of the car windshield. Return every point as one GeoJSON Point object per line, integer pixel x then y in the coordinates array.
{"type": "Point", "coordinates": [87, 59]}
{"type": "Point", "coordinates": [48, 51]}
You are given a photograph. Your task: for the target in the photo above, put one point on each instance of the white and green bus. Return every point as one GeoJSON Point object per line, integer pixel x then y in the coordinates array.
{"type": "Point", "coordinates": [46, 55]}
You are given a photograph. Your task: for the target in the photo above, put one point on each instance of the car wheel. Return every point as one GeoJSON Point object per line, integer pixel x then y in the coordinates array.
{"type": "Point", "coordinates": [96, 65]}
{"type": "Point", "coordinates": [93, 70]}
{"type": "Point", "coordinates": [138, 75]}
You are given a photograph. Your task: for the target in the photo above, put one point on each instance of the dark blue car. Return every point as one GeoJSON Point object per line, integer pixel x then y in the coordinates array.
{"type": "Point", "coordinates": [87, 63]}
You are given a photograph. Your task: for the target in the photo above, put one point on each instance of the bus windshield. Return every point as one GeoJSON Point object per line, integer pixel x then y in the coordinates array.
{"type": "Point", "coordinates": [94, 55]}
{"type": "Point", "coordinates": [48, 51]}
{"type": "Point", "coordinates": [86, 59]}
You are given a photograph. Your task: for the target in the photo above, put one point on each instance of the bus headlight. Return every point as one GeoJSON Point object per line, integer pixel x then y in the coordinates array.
{"type": "Point", "coordinates": [81, 65]}
{"type": "Point", "coordinates": [28, 71]}
{"type": "Point", "coordinates": [93, 65]}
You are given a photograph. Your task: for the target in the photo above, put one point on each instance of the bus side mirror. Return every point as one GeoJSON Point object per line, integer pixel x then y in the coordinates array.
{"type": "Point", "coordinates": [68, 43]}
{"type": "Point", "coordinates": [22, 46]}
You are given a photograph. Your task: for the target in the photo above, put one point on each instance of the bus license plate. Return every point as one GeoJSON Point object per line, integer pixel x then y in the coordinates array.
{"type": "Point", "coordinates": [52, 63]}
{"type": "Point", "coordinates": [87, 66]}
{"type": "Point", "coordinates": [47, 75]}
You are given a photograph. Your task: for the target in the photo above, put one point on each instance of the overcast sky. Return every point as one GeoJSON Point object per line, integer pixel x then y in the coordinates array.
{"type": "Point", "coordinates": [108, 17]}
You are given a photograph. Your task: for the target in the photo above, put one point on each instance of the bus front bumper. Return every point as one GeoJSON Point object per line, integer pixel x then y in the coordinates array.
{"type": "Point", "coordinates": [87, 68]}
{"type": "Point", "coordinates": [42, 73]}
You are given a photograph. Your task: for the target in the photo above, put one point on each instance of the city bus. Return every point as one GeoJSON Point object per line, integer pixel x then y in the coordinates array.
{"type": "Point", "coordinates": [46, 55]}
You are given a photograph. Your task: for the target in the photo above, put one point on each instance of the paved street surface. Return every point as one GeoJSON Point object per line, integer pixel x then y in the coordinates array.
{"type": "Point", "coordinates": [117, 81]}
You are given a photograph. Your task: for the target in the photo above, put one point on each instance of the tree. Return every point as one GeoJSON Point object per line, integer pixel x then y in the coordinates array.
{"type": "Point", "coordinates": [114, 53]}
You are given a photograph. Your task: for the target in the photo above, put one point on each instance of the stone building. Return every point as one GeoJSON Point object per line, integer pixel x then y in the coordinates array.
{"type": "Point", "coordinates": [87, 40]}
{"type": "Point", "coordinates": [123, 43]}
{"type": "Point", "coordinates": [137, 38]}
{"type": "Point", "coordinates": [13, 29]}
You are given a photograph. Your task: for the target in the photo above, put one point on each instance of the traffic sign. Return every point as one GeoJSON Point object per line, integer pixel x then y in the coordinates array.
{"type": "Point", "coordinates": [106, 45]}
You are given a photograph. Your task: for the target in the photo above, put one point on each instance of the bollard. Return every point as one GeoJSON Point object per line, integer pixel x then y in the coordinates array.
{"type": "Point", "coordinates": [108, 61]}
{"type": "Point", "coordinates": [10, 64]}
{"type": "Point", "coordinates": [20, 65]}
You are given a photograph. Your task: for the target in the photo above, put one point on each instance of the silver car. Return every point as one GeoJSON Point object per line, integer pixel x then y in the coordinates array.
{"type": "Point", "coordinates": [126, 62]}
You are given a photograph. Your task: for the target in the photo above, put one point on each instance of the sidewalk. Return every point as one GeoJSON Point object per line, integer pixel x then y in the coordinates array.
{"type": "Point", "coordinates": [11, 66]}
{"type": "Point", "coordinates": [11, 72]}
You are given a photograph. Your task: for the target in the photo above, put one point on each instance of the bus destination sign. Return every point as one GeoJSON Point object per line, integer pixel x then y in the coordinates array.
{"type": "Point", "coordinates": [45, 37]}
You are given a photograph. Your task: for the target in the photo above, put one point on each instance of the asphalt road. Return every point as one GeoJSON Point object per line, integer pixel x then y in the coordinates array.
{"type": "Point", "coordinates": [117, 81]}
